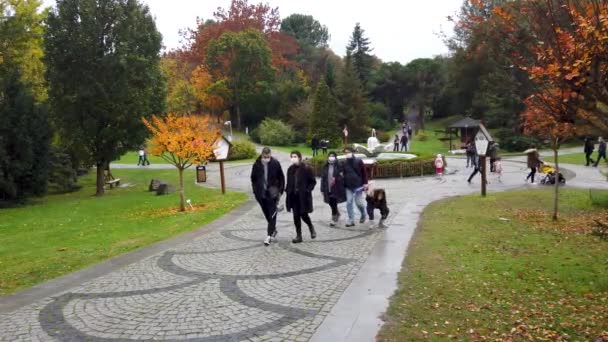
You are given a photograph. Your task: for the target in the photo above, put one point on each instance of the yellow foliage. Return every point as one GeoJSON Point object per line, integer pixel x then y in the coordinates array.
{"type": "Point", "coordinates": [182, 140]}
{"type": "Point", "coordinates": [202, 83]}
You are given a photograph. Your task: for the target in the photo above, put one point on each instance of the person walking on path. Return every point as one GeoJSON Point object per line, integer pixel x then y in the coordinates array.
{"type": "Point", "coordinates": [324, 143]}
{"type": "Point", "coordinates": [404, 141]}
{"type": "Point", "coordinates": [476, 163]}
{"type": "Point", "coordinates": [355, 182]}
{"type": "Point", "coordinates": [332, 186]}
{"type": "Point", "coordinates": [315, 146]}
{"type": "Point", "coordinates": [396, 143]}
{"type": "Point", "coordinates": [140, 154]}
{"type": "Point", "coordinates": [439, 166]}
{"type": "Point", "coordinates": [533, 162]}
{"type": "Point", "coordinates": [268, 183]}
{"type": "Point", "coordinates": [493, 153]}
{"type": "Point", "coordinates": [300, 184]}
{"type": "Point", "coordinates": [601, 151]}
{"type": "Point", "coordinates": [471, 151]}
{"type": "Point", "coordinates": [146, 161]}
{"type": "Point", "coordinates": [589, 147]}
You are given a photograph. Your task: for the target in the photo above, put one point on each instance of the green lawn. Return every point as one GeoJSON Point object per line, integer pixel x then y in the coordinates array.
{"type": "Point", "coordinates": [576, 158]}
{"type": "Point", "coordinates": [470, 276]}
{"type": "Point", "coordinates": [132, 158]}
{"type": "Point", "coordinates": [59, 234]}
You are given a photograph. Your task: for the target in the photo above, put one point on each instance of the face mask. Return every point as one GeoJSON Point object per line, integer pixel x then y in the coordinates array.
{"type": "Point", "coordinates": [295, 160]}
{"type": "Point", "coordinates": [266, 160]}
{"type": "Point", "coordinates": [332, 160]}
{"type": "Point", "coordinates": [350, 155]}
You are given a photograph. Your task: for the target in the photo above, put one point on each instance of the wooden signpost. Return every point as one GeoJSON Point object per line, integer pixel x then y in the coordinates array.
{"type": "Point", "coordinates": [482, 141]}
{"type": "Point", "coordinates": [221, 154]}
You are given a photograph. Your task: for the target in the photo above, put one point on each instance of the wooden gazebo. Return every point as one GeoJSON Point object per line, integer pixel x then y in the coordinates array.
{"type": "Point", "coordinates": [468, 128]}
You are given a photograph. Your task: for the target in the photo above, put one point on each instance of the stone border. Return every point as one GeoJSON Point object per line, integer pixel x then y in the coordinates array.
{"type": "Point", "coordinates": [55, 286]}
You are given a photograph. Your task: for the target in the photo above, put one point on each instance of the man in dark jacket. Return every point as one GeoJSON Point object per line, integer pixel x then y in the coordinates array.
{"type": "Point", "coordinates": [268, 183]}
{"type": "Point", "coordinates": [601, 151]}
{"type": "Point", "coordinates": [300, 184]}
{"type": "Point", "coordinates": [404, 141]}
{"type": "Point", "coordinates": [493, 153]}
{"type": "Point", "coordinates": [355, 182]}
{"type": "Point", "coordinates": [332, 186]}
{"type": "Point", "coordinates": [315, 144]}
{"type": "Point", "coordinates": [589, 147]}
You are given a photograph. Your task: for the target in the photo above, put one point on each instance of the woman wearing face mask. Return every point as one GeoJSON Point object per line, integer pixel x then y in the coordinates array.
{"type": "Point", "coordinates": [300, 184]}
{"type": "Point", "coordinates": [332, 186]}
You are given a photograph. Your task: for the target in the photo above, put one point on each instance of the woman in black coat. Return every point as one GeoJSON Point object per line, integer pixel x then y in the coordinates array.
{"type": "Point", "coordinates": [332, 186]}
{"type": "Point", "coordinates": [300, 184]}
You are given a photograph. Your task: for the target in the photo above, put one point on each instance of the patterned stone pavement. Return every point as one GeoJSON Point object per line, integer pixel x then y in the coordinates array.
{"type": "Point", "coordinates": [225, 285]}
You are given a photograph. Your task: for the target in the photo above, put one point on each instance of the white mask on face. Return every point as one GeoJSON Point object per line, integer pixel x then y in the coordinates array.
{"type": "Point", "coordinates": [332, 160]}
{"type": "Point", "coordinates": [350, 155]}
{"type": "Point", "coordinates": [265, 160]}
{"type": "Point", "coordinates": [295, 160]}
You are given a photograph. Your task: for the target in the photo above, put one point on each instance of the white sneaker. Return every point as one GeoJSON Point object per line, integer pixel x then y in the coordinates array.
{"type": "Point", "coordinates": [268, 240]}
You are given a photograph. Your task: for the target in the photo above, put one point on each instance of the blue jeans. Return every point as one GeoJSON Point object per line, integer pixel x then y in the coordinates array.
{"type": "Point", "coordinates": [351, 197]}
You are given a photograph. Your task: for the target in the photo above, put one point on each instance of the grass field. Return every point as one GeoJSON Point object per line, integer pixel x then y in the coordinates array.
{"type": "Point", "coordinates": [471, 276]}
{"type": "Point", "coordinates": [59, 234]}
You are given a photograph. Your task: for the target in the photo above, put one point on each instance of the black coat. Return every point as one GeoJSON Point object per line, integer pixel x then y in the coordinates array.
{"type": "Point", "coordinates": [589, 146]}
{"type": "Point", "coordinates": [337, 191]}
{"type": "Point", "coordinates": [276, 179]}
{"type": "Point", "coordinates": [354, 173]}
{"type": "Point", "coordinates": [306, 184]}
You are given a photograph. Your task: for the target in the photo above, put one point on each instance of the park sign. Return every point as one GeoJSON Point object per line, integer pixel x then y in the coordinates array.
{"type": "Point", "coordinates": [222, 147]}
{"type": "Point", "coordinates": [482, 140]}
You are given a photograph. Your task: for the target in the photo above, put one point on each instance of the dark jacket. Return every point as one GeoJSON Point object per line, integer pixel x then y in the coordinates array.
{"type": "Point", "coordinates": [589, 146]}
{"type": "Point", "coordinates": [315, 142]}
{"type": "Point", "coordinates": [533, 159]}
{"type": "Point", "coordinates": [355, 175]}
{"type": "Point", "coordinates": [276, 179]}
{"type": "Point", "coordinates": [493, 152]}
{"type": "Point", "coordinates": [306, 183]}
{"type": "Point", "coordinates": [602, 147]}
{"type": "Point", "coordinates": [323, 143]}
{"type": "Point", "coordinates": [337, 191]}
{"type": "Point", "coordinates": [404, 139]}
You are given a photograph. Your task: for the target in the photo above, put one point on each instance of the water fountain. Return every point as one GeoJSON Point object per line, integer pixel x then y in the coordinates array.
{"type": "Point", "coordinates": [375, 150]}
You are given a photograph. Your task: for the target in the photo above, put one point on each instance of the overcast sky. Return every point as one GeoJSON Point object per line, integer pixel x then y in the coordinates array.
{"type": "Point", "coordinates": [399, 30]}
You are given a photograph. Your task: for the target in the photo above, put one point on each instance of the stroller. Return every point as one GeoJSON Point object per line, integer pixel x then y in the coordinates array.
{"type": "Point", "coordinates": [549, 175]}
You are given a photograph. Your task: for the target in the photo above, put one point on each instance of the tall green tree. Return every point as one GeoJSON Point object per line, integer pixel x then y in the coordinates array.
{"type": "Point", "coordinates": [24, 139]}
{"type": "Point", "coordinates": [390, 85]}
{"type": "Point", "coordinates": [360, 50]}
{"type": "Point", "coordinates": [21, 34]}
{"type": "Point", "coordinates": [324, 120]}
{"type": "Point", "coordinates": [306, 29]}
{"type": "Point", "coordinates": [104, 76]}
{"type": "Point", "coordinates": [245, 60]}
{"type": "Point", "coordinates": [352, 100]}
{"type": "Point", "coordinates": [426, 79]}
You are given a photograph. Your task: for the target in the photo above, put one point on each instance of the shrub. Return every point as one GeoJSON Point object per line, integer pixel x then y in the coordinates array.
{"type": "Point", "coordinates": [62, 175]}
{"type": "Point", "coordinates": [421, 136]}
{"type": "Point", "coordinates": [383, 136]}
{"type": "Point", "coordinates": [275, 133]}
{"type": "Point", "coordinates": [514, 142]}
{"type": "Point", "coordinates": [242, 149]}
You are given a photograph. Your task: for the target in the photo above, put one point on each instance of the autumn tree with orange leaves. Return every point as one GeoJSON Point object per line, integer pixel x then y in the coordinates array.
{"type": "Point", "coordinates": [182, 141]}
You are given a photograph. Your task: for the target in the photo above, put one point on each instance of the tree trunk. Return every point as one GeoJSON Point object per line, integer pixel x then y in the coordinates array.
{"type": "Point", "coordinates": [556, 194]}
{"type": "Point", "coordinates": [101, 181]}
{"type": "Point", "coordinates": [421, 116]}
{"type": "Point", "coordinates": [182, 199]}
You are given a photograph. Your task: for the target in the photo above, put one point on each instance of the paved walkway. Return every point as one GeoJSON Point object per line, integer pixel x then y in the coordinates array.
{"type": "Point", "coordinates": [221, 284]}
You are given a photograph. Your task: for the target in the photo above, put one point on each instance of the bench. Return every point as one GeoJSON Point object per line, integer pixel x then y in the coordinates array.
{"type": "Point", "coordinates": [114, 182]}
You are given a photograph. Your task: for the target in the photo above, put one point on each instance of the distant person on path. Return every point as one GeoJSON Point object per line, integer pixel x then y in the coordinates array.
{"type": "Point", "coordinates": [601, 151]}
{"type": "Point", "coordinates": [533, 162]}
{"type": "Point", "coordinates": [476, 165]}
{"type": "Point", "coordinates": [498, 169]}
{"type": "Point", "coordinates": [355, 182]}
{"type": "Point", "coordinates": [268, 183]}
{"type": "Point", "coordinates": [493, 153]}
{"type": "Point", "coordinates": [300, 184]}
{"type": "Point", "coordinates": [140, 154]}
{"type": "Point", "coordinates": [404, 142]}
{"type": "Point", "coordinates": [396, 143]}
{"type": "Point", "coordinates": [471, 151]}
{"type": "Point", "coordinates": [146, 161]}
{"type": "Point", "coordinates": [589, 148]}
{"type": "Point", "coordinates": [324, 143]}
{"type": "Point", "coordinates": [439, 165]}
{"type": "Point", "coordinates": [315, 146]}
{"type": "Point", "coordinates": [332, 186]}
{"type": "Point", "coordinates": [376, 199]}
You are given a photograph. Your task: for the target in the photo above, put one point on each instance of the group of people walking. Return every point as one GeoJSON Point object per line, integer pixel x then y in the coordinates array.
{"type": "Point", "coordinates": [590, 147]}
{"type": "Point", "coordinates": [404, 139]}
{"type": "Point", "coordinates": [341, 181]}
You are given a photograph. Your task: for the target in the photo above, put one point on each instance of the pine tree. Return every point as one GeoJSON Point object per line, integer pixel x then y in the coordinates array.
{"type": "Point", "coordinates": [352, 102]}
{"type": "Point", "coordinates": [324, 118]}
{"type": "Point", "coordinates": [359, 49]}
{"type": "Point", "coordinates": [24, 139]}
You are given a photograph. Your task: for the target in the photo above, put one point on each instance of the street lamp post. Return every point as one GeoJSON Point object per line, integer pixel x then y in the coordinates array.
{"type": "Point", "coordinates": [230, 124]}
